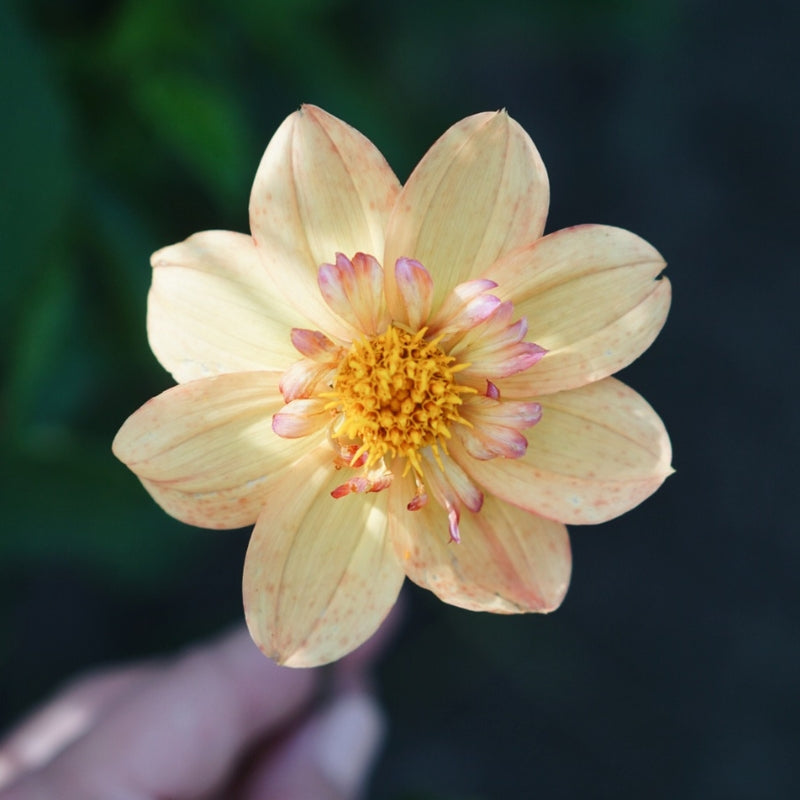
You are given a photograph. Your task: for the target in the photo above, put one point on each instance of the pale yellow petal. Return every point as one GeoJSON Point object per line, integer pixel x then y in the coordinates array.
{"type": "Point", "coordinates": [206, 450]}
{"type": "Point", "coordinates": [322, 188]}
{"type": "Point", "coordinates": [508, 560]}
{"type": "Point", "coordinates": [591, 299]}
{"type": "Point", "coordinates": [212, 309]}
{"type": "Point", "coordinates": [320, 574]}
{"type": "Point", "coordinates": [480, 192]}
{"type": "Point", "coordinates": [597, 452]}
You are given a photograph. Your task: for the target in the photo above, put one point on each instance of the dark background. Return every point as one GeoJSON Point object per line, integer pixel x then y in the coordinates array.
{"type": "Point", "coordinates": [672, 669]}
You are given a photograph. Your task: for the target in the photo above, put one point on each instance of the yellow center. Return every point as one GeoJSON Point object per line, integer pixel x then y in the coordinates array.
{"type": "Point", "coordinates": [396, 393]}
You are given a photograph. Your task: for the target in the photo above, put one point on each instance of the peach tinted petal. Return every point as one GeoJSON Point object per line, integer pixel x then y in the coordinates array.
{"type": "Point", "coordinates": [320, 574]}
{"type": "Point", "coordinates": [492, 441]}
{"type": "Point", "coordinates": [354, 291]}
{"type": "Point", "coordinates": [321, 188]}
{"type": "Point", "coordinates": [479, 192]}
{"type": "Point", "coordinates": [496, 348]}
{"type": "Point", "coordinates": [466, 306]}
{"type": "Point", "coordinates": [300, 418]}
{"type": "Point", "coordinates": [415, 288]}
{"type": "Point", "coordinates": [597, 452]}
{"type": "Point", "coordinates": [591, 299]}
{"type": "Point", "coordinates": [508, 560]}
{"type": "Point", "coordinates": [212, 309]}
{"type": "Point", "coordinates": [495, 427]}
{"type": "Point", "coordinates": [451, 485]}
{"type": "Point", "coordinates": [301, 379]}
{"type": "Point", "coordinates": [206, 450]}
{"type": "Point", "coordinates": [314, 344]}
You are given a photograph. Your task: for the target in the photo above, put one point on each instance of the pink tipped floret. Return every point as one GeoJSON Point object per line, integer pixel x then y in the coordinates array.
{"type": "Point", "coordinates": [416, 288]}
{"type": "Point", "coordinates": [361, 484]}
{"type": "Point", "coordinates": [492, 391]}
{"type": "Point", "coordinates": [452, 520]}
{"type": "Point", "coordinates": [313, 344]}
{"type": "Point", "coordinates": [354, 290]}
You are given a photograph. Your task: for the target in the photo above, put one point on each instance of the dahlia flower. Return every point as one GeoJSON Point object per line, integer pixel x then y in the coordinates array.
{"type": "Point", "coordinates": [397, 381]}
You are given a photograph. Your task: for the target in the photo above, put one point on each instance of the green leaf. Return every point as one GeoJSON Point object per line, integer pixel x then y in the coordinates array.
{"type": "Point", "coordinates": [38, 169]}
{"type": "Point", "coordinates": [39, 349]}
{"type": "Point", "coordinates": [204, 127]}
{"type": "Point", "coordinates": [66, 499]}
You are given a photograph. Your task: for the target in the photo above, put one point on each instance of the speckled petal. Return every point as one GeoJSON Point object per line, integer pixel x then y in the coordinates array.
{"type": "Point", "coordinates": [597, 452]}
{"type": "Point", "coordinates": [591, 300]}
{"type": "Point", "coordinates": [212, 309]}
{"type": "Point", "coordinates": [479, 192]}
{"type": "Point", "coordinates": [206, 451]}
{"type": "Point", "coordinates": [508, 561]}
{"type": "Point", "coordinates": [322, 188]}
{"type": "Point", "coordinates": [320, 573]}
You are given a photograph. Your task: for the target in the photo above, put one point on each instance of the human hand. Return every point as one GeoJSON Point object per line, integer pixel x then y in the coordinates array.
{"type": "Point", "coordinates": [219, 721]}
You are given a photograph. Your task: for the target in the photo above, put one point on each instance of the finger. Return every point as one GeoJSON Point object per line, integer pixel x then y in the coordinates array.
{"type": "Point", "coordinates": [328, 758]}
{"type": "Point", "coordinates": [65, 718]}
{"type": "Point", "coordinates": [182, 731]}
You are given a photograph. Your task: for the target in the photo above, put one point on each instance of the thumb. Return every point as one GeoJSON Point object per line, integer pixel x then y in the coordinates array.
{"type": "Point", "coordinates": [328, 758]}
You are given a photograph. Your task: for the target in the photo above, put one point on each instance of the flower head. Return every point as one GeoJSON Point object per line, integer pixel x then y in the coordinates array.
{"type": "Point", "coordinates": [394, 381]}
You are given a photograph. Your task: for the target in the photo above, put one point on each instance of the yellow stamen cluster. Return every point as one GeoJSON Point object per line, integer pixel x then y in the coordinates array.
{"type": "Point", "coordinates": [395, 394]}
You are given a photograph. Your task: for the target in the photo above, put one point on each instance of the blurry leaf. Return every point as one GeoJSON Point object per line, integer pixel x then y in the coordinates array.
{"type": "Point", "coordinates": [123, 242]}
{"type": "Point", "coordinates": [284, 17]}
{"type": "Point", "coordinates": [37, 169]}
{"type": "Point", "coordinates": [39, 346]}
{"type": "Point", "coordinates": [75, 502]}
{"type": "Point", "coordinates": [78, 357]}
{"type": "Point", "coordinates": [204, 127]}
{"type": "Point", "coordinates": [151, 31]}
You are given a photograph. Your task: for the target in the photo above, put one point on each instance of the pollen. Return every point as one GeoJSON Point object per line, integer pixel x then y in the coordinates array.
{"type": "Point", "coordinates": [395, 394]}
